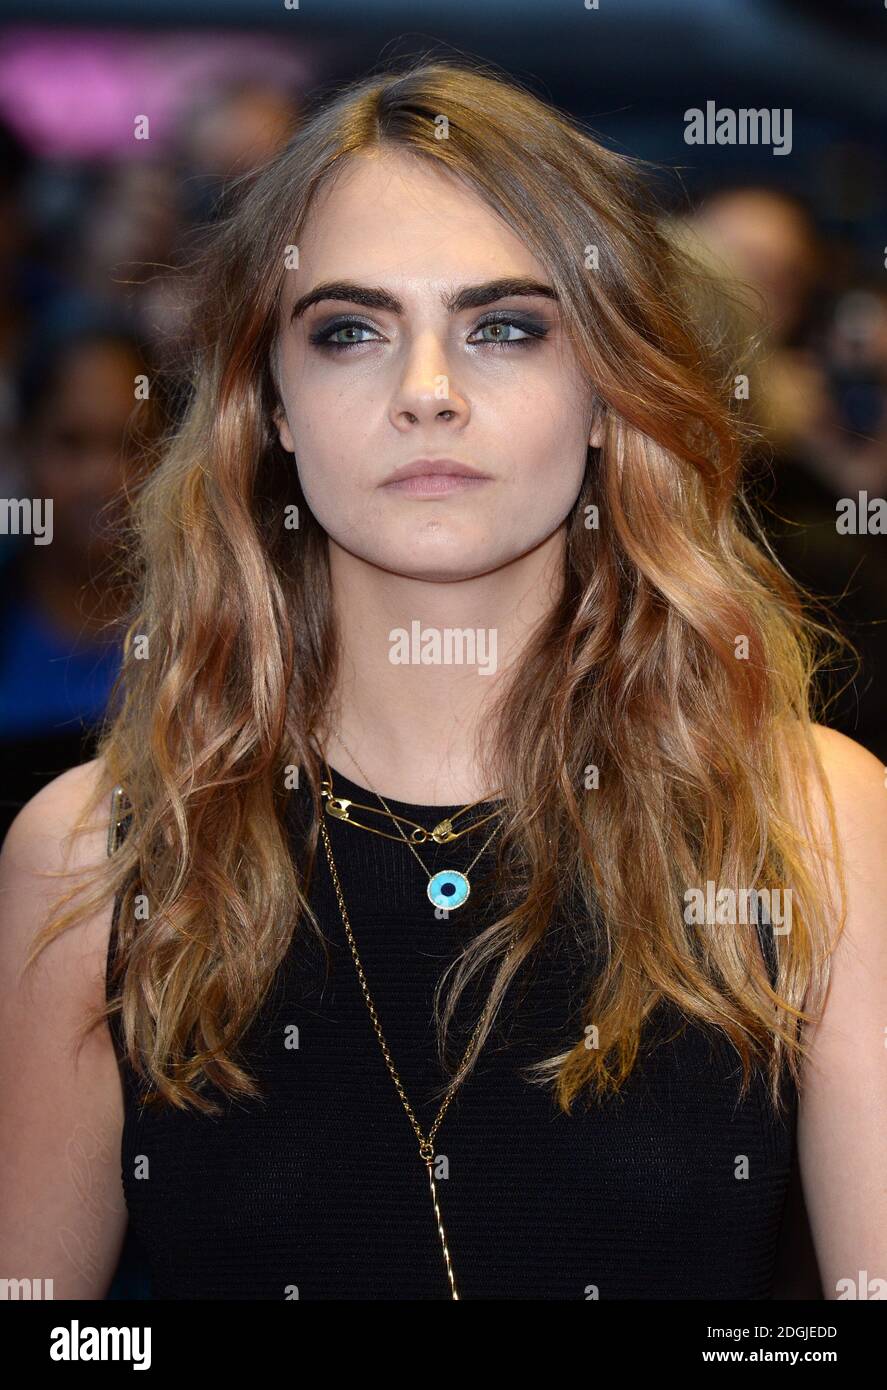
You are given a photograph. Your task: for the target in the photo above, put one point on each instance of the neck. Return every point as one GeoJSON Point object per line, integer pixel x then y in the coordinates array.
{"type": "Point", "coordinates": [416, 728]}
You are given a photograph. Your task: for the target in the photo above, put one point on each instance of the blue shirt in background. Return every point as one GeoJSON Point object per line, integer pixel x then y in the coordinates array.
{"type": "Point", "coordinates": [45, 682]}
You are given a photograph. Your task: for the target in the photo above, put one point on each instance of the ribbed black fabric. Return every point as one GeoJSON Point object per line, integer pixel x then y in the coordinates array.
{"type": "Point", "coordinates": [319, 1186]}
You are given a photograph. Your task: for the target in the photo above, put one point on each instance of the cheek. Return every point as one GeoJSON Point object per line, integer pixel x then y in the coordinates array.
{"type": "Point", "coordinates": [548, 440]}
{"type": "Point", "coordinates": [544, 402]}
{"type": "Point", "coordinates": [549, 453]}
{"type": "Point", "coordinates": [329, 445]}
{"type": "Point", "coordinates": [325, 412]}
{"type": "Point", "coordinates": [327, 451]}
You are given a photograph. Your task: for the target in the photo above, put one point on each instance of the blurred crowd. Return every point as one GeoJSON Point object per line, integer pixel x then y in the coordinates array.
{"type": "Point", "coordinates": [816, 393]}
{"type": "Point", "coordinates": [90, 316]}
{"type": "Point", "coordinates": [89, 305]}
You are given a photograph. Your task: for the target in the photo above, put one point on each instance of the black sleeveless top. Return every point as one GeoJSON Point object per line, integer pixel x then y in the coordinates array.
{"type": "Point", "coordinates": [672, 1190]}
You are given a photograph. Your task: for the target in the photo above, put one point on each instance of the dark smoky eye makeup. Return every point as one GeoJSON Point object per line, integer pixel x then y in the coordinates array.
{"type": "Point", "coordinates": [532, 326]}
{"type": "Point", "coordinates": [321, 335]}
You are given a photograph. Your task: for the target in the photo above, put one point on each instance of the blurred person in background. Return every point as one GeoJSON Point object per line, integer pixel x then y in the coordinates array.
{"type": "Point", "coordinates": [233, 129]}
{"type": "Point", "coordinates": [817, 392]}
{"type": "Point", "coordinates": [766, 242]}
{"type": "Point", "coordinates": [845, 443]}
{"type": "Point", "coordinates": [112, 233]}
{"type": "Point", "coordinates": [227, 133]}
{"type": "Point", "coordinates": [13, 167]}
{"type": "Point", "coordinates": [79, 430]}
{"type": "Point", "coordinates": [129, 230]}
{"type": "Point", "coordinates": [26, 286]}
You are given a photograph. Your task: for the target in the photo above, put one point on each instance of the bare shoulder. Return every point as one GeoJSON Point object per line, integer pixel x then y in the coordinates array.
{"type": "Point", "coordinates": [842, 1129]}
{"type": "Point", "coordinates": [50, 815]}
{"type": "Point", "coordinates": [857, 784]}
{"type": "Point", "coordinates": [44, 854]}
{"type": "Point", "coordinates": [60, 1092]}
{"type": "Point", "coordinates": [853, 772]}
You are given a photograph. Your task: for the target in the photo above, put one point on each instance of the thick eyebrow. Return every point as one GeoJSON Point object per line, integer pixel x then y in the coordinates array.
{"type": "Point", "coordinates": [468, 297]}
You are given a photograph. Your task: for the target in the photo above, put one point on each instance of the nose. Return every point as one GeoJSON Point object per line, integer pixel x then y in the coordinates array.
{"type": "Point", "coordinates": [426, 391]}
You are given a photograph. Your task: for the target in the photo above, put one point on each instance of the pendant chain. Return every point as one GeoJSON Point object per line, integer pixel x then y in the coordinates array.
{"type": "Point", "coordinates": [426, 1143]}
{"type": "Point", "coordinates": [397, 819]}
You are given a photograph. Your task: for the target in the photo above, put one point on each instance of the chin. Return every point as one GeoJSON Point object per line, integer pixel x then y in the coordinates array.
{"type": "Point", "coordinates": [457, 562]}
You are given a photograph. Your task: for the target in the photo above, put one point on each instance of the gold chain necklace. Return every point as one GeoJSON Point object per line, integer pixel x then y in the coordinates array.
{"type": "Point", "coordinates": [448, 888]}
{"type": "Point", "coordinates": [426, 1143]}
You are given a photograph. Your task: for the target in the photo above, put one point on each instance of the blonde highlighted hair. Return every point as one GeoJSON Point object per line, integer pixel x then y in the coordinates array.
{"type": "Point", "coordinates": [635, 672]}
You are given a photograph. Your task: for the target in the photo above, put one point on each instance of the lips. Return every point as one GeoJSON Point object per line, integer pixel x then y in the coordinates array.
{"type": "Point", "coordinates": [429, 468]}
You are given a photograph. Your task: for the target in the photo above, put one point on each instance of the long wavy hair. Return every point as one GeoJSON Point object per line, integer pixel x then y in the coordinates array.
{"type": "Point", "coordinates": [650, 740]}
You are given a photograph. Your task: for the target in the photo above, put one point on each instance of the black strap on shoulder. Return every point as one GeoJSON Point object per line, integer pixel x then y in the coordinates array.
{"type": "Point", "coordinates": [120, 820]}
{"type": "Point", "coordinates": [767, 938]}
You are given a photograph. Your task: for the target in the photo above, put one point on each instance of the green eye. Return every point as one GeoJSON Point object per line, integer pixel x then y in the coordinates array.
{"type": "Point", "coordinates": [349, 330]}
{"type": "Point", "coordinates": [504, 331]}
{"type": "Point", "coordinates": [501, 333]}
{"type": "Point", "coordinates": [342, 334]}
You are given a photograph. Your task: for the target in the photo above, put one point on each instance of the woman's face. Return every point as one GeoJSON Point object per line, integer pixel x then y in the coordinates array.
{"type": "Point", "coordinates": [369, 388]}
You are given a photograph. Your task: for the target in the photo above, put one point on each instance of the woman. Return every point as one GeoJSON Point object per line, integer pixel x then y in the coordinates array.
{"type": "Point", "coordinates": [453, 530]}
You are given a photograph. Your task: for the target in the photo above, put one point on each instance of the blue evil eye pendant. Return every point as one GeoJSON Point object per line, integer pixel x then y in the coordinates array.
{"type": "Point", "coordinates": [448, 888]}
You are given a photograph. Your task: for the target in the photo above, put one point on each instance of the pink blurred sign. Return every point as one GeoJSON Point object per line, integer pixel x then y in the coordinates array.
{"type": "Point", "coordinates": [76, 93]}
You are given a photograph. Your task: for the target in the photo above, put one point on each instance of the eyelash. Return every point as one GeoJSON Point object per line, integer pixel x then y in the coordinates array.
{"type": "Point", "coordinates": [535, 330]}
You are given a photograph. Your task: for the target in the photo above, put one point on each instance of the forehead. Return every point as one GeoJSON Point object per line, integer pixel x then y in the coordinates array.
{"type": "Point", "coordinates": [393, 218]}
